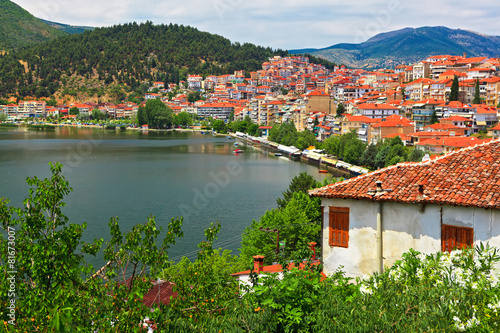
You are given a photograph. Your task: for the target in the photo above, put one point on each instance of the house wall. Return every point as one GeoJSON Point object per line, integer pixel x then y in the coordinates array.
{"type": "Point", "coordinates": [405, 226]}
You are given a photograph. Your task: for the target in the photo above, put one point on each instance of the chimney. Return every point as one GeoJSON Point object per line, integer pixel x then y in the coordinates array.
{"type": "Point", "coordinates": [465, 55]}
{"type": "Point", "coordinates": [421, 190]}
{"type": "Point", "coordinates": [313, 248]}
{"type": "Point", "coordinates": [258, 264]}
{"type": "Point", "coordinates": [379, 186]}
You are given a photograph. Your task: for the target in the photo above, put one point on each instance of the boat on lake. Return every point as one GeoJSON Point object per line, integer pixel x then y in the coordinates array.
{"type": "Point", "coordinates": [237, 151]}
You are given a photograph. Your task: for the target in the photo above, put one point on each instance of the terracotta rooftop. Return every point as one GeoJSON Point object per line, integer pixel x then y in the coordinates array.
{"type": "Point", "coordinates": [467, 177]}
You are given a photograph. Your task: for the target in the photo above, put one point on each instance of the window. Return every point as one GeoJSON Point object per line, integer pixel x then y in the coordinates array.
{"type": "Point", "coordinates": [456, 238]}
{"type": "Point", "coordinates": [339, 226]}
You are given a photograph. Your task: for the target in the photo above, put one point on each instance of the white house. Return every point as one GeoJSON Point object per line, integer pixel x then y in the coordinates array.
{"type": "Point", "coordinates": [436, 205]}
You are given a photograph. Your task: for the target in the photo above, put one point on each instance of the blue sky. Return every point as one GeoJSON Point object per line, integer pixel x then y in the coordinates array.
{"type": "Point", "coordinates": [287, 24]}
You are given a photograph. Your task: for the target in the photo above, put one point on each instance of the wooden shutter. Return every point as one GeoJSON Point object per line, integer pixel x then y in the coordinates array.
{"type": "Point", "coordinates": [456, 238]}
{"type": "Point", "coordinates": [339, 226]}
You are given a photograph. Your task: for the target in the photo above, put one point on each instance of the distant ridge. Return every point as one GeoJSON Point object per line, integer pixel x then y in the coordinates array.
{"type": "Point", "coordinates": [18, 28]}
{"type": "Point", "coordinates": [408, 45]}
{"type": "Point", "coordinates": [71, 29]}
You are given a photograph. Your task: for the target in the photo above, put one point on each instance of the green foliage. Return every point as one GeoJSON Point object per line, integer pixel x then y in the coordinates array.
{"type": "Point", "coordinates": [97, 114]}
{"type": "Point", "coordinates": [298, 223]}
{"type": "Point", "coordinates": [219, 126]}
{"type": "Point", "coordinates": [156, 113]}
{"type": "Point", "coordinates": [20, 28]}
{"type": "Point", "coordinates": [455, 291]}
{"type": "Point", "coordinates": [340, 110]}
{"type": "Point", "coordinates": [3, 117]}
{"type": "Point", "coordinates": [126, 55]}
{"type": "Point", "coordinates": [285, 134]}
{"type": "Point", "coordinates": [368, 157]}
{"type": "Point", "coordinates": [346, 146]}
{"type": "Point", "coordinates": [297, 217]}
{"type": "Point", "coordinates": [434, 117]}
{"type": "Point", "coordinates": [74, 111]}
{"type": "Point", "coordinates": [205, 285]}
{"type": "Point", "coordinates": [305, 139]}
{"type": "Point", "coordinates": [301, 183]}
{"type": "Point", "coordinates": [290, 310]}
{"type": "Point", "coordinates": [194, 96]}
{"type": "Point", "coordinates": [183, 119]}
{"type": "Point", "coordinates": [416, 155]}
{"type": "Point", "coordinates": [454, 90]}
{"type": "Point", "coordinates": [56, 289]}
{"type": "Point", "coordinates": [477, 94]}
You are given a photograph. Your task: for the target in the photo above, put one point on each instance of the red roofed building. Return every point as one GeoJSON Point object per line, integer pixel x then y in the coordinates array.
{"type": "Point", "coordinates": [390, 126]}
{"type": "Point", "coordinates": [320, 101]}
{"type": "Point", "coordinates": [435, 205]}
{"type": "Point", "coordinates": [377, 110]}
{"type": "Point", "coordinates": [448, 144]}
{"type": "Point", "coordinates": [215, 110]}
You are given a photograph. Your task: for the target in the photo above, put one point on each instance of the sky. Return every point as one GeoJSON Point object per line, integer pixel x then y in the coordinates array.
{"type": "Point", "coordinates": [287, 24]}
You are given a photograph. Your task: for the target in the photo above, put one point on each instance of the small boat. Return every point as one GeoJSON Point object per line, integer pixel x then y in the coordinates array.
{"type": "Point", "coordinates": [229, 137]}
{"type": "Point", "coordinates": [323, 171]}
{"type": "Point", "coordinates": [236, 144]}
{"type": "Point", "coordinates": [237, 151]}
{"type": "Point", "coordinates": [278, 154]}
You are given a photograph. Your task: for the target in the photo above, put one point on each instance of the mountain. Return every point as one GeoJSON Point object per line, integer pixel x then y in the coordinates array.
{"type": "Point", "coordinates": [114, 62]}
{"type": "Point", "coordinates": [18, 28]}
{"type": "Point", "coordinates": [408, 45]}
{"type": "Point", "coordinates": [70, 29]}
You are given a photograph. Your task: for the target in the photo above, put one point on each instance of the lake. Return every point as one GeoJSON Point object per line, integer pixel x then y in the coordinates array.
{"type": "Point", "coordinates": [134, 174]}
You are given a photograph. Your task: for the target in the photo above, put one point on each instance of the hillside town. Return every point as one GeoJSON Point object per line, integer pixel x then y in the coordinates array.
{"type": "Point", "coordinates": [409, 101]}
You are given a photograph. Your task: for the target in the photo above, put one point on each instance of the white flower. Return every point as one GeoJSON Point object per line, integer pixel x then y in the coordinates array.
{"type": "Point", "coordinates": [365, 289]}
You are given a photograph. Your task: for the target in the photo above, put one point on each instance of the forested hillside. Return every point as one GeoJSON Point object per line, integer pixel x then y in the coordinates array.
{"type": "Point", "coordinates": [18, 28]}
{"type": "Point", "coordinates": [123, 55]}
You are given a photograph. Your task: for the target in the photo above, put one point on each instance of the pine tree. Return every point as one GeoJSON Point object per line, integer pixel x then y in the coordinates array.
{"type": "Point", "coordinates": [340, 110]}
{"type": "Point", "coordinates": [477, 96]}
{"type": "Point", "coordinates": [454, 90]}
{"type": "Point", "coordinates": [434, 117]}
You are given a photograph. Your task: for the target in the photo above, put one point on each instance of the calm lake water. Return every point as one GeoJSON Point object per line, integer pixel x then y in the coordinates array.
{"type": "Point", "coordinates": [134, 174]}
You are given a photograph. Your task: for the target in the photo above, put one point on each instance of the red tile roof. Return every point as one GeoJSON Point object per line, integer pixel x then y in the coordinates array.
{"type": "Point", "coordinates": [467, 177]}
{"type": "Point", "coordinates": [454, 142]}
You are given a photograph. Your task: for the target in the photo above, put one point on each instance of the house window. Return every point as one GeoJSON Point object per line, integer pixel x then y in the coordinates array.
{"type": "Point", "coordinates": [456, 238]}
{"type": "Point", "coordinates": [339, 226]}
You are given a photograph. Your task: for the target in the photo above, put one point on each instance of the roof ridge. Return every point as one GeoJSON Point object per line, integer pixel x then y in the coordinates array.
{"type": "Point", "coordinates": [406, 164]}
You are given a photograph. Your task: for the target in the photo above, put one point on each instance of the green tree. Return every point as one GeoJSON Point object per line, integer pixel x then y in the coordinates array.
{"type": "Point", "coordinates": [340, 110]}
{"type": "Point", "coordinates": [298, 222]}
{"type": "Point", "coordinates": [74, 111]}
{"type": "Point", "coordinates": [183, 119]}
{"type": "Point", "coordinates": [97, 114]}
{"type": "Point", "coordinates": [52, 102]}
{"type": "Point", "coordinates": [353, 151]}
{"type": "Point", "coordinates": [159, 115]}
{"type": "Point", "coordinates": [416, 155]}
{"type": "Point", "coordinates": [305, 139]}
{"type": "Point", "coordinates": [56, 289]}
{"type": "Point", "coordinates": [477, 94]}
{"type": "Point", "coordinates": [3, 117]}
{"type": "Point", "coordinates": [454, 90]}
{"type": "Point", "coordinates": [301, 183]}
{"type": "Point", "coordinates": [142, 116]}
{"type": "Point", "coordinates": [219, 126]}
{"type": "Point", "coordinates": [368, 157]}
{"type": "Point", "coordinates": [380, 159]}
{"type": "Point", "coordinates": [253, 130]}
{"type": "Point", "coordinates": [434, 117]}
